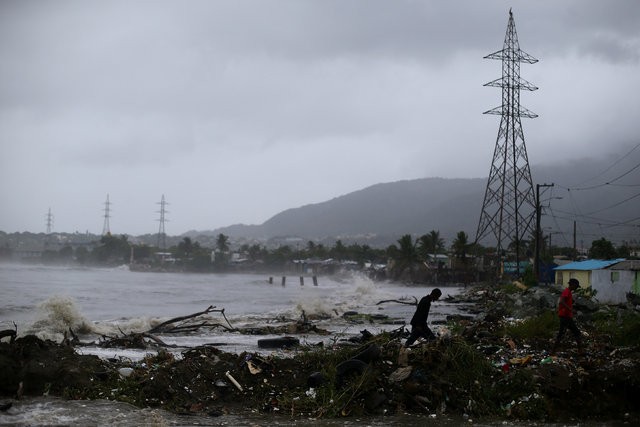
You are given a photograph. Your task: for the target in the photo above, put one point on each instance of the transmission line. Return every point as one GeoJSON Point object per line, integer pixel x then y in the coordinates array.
{"type": "Point", "coordinates": [611, 167]}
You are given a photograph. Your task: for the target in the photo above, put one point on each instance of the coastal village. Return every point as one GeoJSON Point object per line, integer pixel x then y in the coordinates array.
{"type": "Point", "coordinates": [497, 362]}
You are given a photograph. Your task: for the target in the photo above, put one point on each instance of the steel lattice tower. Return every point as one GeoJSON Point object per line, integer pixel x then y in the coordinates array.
{"type": "Point", "coordinates": [49, 222]}
{"type": "Point", "coordinates": [509, 201]}
{"type": "Point", "coordinates": [107, 210]}
{"type": "Point", "coordinates": [162, 237]}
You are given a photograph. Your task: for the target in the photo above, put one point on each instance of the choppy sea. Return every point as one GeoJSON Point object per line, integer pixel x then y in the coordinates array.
{"type": "Point", "coordinates": [94, 302]}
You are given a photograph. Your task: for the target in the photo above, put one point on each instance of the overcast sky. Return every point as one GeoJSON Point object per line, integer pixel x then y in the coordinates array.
{"type": "Point", "coordinates": [236, 110]}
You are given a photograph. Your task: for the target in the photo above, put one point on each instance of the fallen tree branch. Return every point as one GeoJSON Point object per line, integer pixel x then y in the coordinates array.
{"type": "Point", "coordinates": [171, 326]}
{"type": "Point", "coordinates": [12, 333]}
{"type": "Point", "coordinates": [415, 301]}
{"type": "Point", "coordinates": [157, 340]}
{"type": "Point", "coordinates": [163, 327]}
{"type": "Point", "coordinates": [179, 319]}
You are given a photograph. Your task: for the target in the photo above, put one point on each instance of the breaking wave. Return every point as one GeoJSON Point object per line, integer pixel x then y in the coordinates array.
{"type": "Point", "coordinates": [56, 316]}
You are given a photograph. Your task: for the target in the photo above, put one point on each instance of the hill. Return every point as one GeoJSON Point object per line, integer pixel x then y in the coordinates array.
{"type": "Point", "coordinates": [378, 215]}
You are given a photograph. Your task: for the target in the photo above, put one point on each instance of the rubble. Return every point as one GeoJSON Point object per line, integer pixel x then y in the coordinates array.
{"type": "Point", "coordinates": [493, 363]}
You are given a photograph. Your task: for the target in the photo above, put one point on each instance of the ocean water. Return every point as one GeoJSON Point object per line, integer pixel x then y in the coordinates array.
{"type": "Point", "coordinates": [47, 301]}
{"type": "Point", "coordinates": [93, 302]}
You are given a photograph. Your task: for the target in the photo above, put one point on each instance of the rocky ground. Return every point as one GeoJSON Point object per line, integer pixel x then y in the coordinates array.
{"type": "Point", "coordinates": [494, 363]}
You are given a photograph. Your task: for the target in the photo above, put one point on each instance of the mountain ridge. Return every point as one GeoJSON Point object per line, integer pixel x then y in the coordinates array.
{"type": "Point", "coordinates": [383, 212]}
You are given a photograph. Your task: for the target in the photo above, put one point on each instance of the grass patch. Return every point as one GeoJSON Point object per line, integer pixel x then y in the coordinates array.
{"type": "Point", "coordinates": [622, 327]}
{"type": "Point", "coordinates": [510, 288]}
{"type": "Point", "coordinates": [457, 375]}
{"type": "Point", "coordinates": [543, 326]}
{"type": "Point", "coordinates": [333, 398]}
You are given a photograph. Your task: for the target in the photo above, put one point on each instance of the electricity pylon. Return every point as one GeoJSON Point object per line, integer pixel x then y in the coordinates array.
{"type": "Point", "coordinates": [162, 237]}
{"type": "Point", "coordinates": [49, 222]}
{"type": "Point", "coordinates": [47, 239]}
{"type": "Point", "coordinates": [509, 204]}
{"type": "Point", "coordinates": [106, 230]}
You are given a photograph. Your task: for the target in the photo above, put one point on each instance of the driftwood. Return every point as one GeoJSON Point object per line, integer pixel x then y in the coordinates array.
{"type": "Point", "coordinates": [168, 326]}
{"type": "Point", "coordinates": [142, 339]}
{"type": "Point", "coordinates": [133, 340]}
{"type": "Point", "coordinates": [12, 333]}
{"type": "Point", "coordinates": [415, 301]}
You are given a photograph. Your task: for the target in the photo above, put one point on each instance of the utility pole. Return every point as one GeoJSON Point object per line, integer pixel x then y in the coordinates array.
{"type": "Point", "coordinates": [536, 261]}
{"type": "Point", "coordinates": [509, 201]}
{"type": "Point", "coordinates": [575, 249]}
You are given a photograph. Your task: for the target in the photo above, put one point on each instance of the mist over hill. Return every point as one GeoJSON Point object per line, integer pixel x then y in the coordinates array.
{"type": "Point", "coordinates": [378, 215]}
{"type": "Point", "coordinates": [381, 212]}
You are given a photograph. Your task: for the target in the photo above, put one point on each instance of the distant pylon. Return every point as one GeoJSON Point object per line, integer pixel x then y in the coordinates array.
{"type": "Point", "coordinates": [49, 222]}
{"type": "Point", "coordinates": [107, 214]}
{"type": "Point", "coordinates": [162, 237]}
{"type": "Point", "coordinates": [47, 239]}
{"type": "Point", "coordinates": [509, 201]}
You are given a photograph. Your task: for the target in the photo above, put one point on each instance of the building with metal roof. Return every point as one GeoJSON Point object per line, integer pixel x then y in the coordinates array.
{"type": "Point", "coordinates": [582, 270]}
{"type": "Point", "coordinates": [612, 285]}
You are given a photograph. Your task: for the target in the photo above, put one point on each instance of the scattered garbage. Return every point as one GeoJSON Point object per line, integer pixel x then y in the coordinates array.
{"type": "Point", "coordinates": [233, 381]}
{"type": "Point", "coordinates": [479, 370]}
{"type": "Point", "coordinates": [279, 342]}
{"type": "Point", "coordinates": [125, 372]}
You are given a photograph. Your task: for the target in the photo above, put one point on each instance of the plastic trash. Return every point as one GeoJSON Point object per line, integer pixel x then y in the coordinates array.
{"type": "Point", "coordinates": [233, 380]}
{"type": "Point", "coordinates": [253, 368]}
{"type": "Point", "coordinates": [125, 372]}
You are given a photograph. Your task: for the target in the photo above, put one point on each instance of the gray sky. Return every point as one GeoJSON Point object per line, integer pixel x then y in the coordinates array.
{"type": "Point", "coordinates": [236, 110]}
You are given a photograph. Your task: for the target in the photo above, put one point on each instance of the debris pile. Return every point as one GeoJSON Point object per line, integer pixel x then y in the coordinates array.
{"type": "Point", "coordinates": [492, 364]}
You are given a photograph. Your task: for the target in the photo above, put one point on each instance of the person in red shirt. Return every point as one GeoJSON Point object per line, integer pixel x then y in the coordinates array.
{"type": "Point", "coordinates": [565, 314]}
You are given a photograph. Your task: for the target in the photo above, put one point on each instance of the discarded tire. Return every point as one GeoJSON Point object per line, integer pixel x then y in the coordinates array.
{"type": "Point", "coordinates": [316, 379]}
{"type": "Point", "coordinates": [369, 354]}
{"type": "Point", "coordinates": [282, 342]}
{"type": "Point", "coordinates": [349, 368]}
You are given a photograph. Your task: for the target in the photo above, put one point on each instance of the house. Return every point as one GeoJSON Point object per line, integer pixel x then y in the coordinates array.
{"type": "Point", "coordinates": [513, 268]}
{"type": "Point", "coordinates": [582, 270]}
{"type": "Point", "coordinates": [438, 261]}
{"type": "Point", "coordinates": [615, 282]}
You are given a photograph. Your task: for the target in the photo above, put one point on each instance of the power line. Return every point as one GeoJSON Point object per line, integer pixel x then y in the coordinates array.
{"type": "Point", "coordinates": [596, 221]}
{"type": "Point", "coordinates": [611, 167]}
{"type": "Point", "coordinates": [605, 230]}
{"type": "Point", "coordinates": [607, 183]}
{"type": "Point", "coordinates": [616, 204]}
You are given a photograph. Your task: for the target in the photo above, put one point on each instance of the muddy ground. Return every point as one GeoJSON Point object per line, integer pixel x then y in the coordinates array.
{"type": "Point", "coordinates": [482, 366]}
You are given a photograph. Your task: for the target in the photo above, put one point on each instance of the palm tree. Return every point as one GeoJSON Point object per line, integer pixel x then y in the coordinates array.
{"type": "Point", "coordinates": [185, 247]}
{"type": "Point", "coordinates": [405, 256]}
{"type": "Point", "coordinates": [460, 246]}
{"type": "Point", "coordinates": [222, 243]}
{"type": "Point", "coordinates": [430, 244]}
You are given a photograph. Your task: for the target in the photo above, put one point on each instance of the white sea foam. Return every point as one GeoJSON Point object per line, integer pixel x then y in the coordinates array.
{"type": "Point", "coordinates": [56, 316]}
{"type": "Point", "coordinates": [113, 302]}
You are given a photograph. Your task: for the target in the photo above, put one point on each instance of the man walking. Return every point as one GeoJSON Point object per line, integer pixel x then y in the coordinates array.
{"type": "Point", "coordinates": [565, 314]}
{"type": "Point", "coordinates": [419, 327]}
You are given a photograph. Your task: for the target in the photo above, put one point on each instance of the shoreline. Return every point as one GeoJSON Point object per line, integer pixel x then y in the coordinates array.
{"type": "Point", "coordinates": [477, 370]}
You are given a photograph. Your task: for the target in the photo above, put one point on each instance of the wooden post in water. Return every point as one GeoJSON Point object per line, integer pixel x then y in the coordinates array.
{"type": "Point", "coordinates": [301, 281]}
{"type": "Point", "coordinates": [284, 279]}
{"type": "Point", "coordinates": [270, 280]}
{"type": "Point", "coordinates": [315, 281]}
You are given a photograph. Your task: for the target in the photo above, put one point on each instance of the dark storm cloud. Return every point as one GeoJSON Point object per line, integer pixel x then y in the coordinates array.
{"type": "Point", "coordinates": [231, 99]}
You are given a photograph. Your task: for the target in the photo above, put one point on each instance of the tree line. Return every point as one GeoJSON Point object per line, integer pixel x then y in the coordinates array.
{"type": "Point", "coordinates": [401, 259]}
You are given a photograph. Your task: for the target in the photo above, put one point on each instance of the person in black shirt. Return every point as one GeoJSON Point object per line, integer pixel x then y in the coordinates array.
{"type": "Point", "coordinates": [419, 327]}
